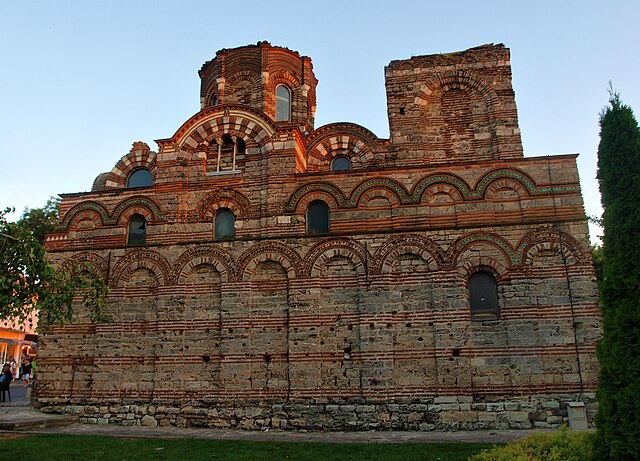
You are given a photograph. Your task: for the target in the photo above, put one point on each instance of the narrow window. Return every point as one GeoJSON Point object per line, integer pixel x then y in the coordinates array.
{"type": "Point", "coordinates": [318, 218]}
{"type": "Point", "coordinates": [140, 177]}
{"type": "Point", "coordinates": [340, 163]}
{"type": "Point", "coordinates": [241, 146]}
{"type": "Point", "coordinates": [223, 153]}
{"type": "Point", "coordinates": [137, 230]}
{"type": "Point", "coordinates": [283, 104]}
{"type": "Point", "coordinates": [224, 225]}
{"type": "Point", "coordinates": [483, 296]}
{"type": "Point", "coordinates": [213, 101]}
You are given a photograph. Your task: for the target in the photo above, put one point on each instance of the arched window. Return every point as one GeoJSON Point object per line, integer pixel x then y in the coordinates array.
{"type": "Point", "coordinates": [137, 230]}
{"type": "Point", "coordinates": [224, 225]}
{"type": "Point", "coordinates": [318, 218]}
{"type": "Point", "coordinates": [213, 100]}
{"type": "Point", "coordinates": [223, 152]}
{"type": "Point", "coordinates": [140, 177]}
{"type": "Point", "coordinates": [483, 296]}
{"type": "Point", "coordinates": [283, 104]}
{"type": "Point", "coordinates": [340, 163]}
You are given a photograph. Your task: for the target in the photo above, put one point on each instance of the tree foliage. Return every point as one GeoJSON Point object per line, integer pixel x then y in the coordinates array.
{"type": "Point", "coordinates": [41, 221]}
{"type": "Point", "coordinates": [598, 262]}
{"type": "Point", "coordinates": [28, 281]}
{"type": "Point", "coordinates": [618, 418]}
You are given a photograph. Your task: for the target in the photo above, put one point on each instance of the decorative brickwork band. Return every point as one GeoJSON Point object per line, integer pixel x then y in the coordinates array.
{"type": "Point", "coordinates": [204, 255]}
{"type": "Point", "coordinates": [414, 197]}
{"type": "Point", "coordinates": [93, 261]}
{"type": "Point", "coordinates": [550, 238]}
{"type": "Point", "coordinates": [150, 210]}
{"type": "Point", "coordinates": [235, 120]}
{"type": "Point", "coordinates": [326, 249]}
{"type": "Point", "coordinates": [354, 141]}
{"type": "Point", "coordinates": [418, 245]}
{"type": "Point", "coordinates": [136, 259]}
{"type": "Point", "coordinates": [269, 251]}
{"type": "Point", "coordinates": [222, 198]}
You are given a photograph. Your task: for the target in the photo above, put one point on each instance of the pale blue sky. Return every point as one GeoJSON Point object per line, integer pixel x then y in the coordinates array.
{"type": "Point", "coordinates": [80, 81]}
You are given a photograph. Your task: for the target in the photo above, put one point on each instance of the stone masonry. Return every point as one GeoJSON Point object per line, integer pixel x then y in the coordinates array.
{"type": "Point", "coordinates": [366, 326]}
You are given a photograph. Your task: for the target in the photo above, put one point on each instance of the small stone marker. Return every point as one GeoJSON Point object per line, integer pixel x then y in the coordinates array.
{"type": "Point", "coordinates": [577, 416]}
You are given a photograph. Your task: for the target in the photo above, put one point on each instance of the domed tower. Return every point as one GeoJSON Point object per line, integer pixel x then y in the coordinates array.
{"type": "Point", "coordinates": [274, 80]}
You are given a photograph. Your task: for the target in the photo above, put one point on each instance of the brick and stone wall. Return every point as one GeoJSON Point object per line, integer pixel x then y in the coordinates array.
{"type": "Point", "coordinates": [456, 106]}
{"type": "Point", "coordinates": [366, 326]}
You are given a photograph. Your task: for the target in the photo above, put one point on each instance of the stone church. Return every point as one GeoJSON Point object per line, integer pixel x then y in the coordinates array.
{"type": "Point", "coordinates": [265, 273]}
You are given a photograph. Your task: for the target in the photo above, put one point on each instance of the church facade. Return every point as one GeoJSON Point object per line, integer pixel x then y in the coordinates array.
{"type": "Point", "coordinates": [268, 274]}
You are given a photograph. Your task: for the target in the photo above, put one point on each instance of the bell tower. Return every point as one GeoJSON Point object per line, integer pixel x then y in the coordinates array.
{"type": "Point", "coordinates": [274, 80]}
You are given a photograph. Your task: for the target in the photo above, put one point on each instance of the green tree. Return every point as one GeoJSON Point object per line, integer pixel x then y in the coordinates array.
{"type": "Point", "coordinates": [618, 418]}
{"type": "Point", "coordinates": [27, 279]}
{"type": "Point", "coordinates": [41, 221]}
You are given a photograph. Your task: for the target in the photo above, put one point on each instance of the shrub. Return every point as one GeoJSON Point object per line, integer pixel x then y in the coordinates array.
{"type": "Point", "coordinates": [557, 446]}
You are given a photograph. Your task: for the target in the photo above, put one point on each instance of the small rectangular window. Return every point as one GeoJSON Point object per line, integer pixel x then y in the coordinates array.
{"type": "Point", "coordinates": [224, 225]}
{"type": "Point", "coordinates": [137, 234]}
{"type": "Point", "coordinates": [318, 218]}
{"type": "Point", "coordinates": [483, 296]}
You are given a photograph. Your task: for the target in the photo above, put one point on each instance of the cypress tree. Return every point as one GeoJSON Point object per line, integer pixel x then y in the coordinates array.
{"type": "Point", "coordinates": [618, 418]}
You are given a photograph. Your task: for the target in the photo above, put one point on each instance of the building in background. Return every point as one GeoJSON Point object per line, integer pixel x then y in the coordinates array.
{"type": "Point", "coordinates": [18, 340]}
{"type": "Point", "coordinates": [266, 273]}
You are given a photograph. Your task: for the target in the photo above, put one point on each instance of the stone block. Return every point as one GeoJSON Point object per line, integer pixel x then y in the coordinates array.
{"type": "Point", "coordinates": [148, 421]}
{"type": "Point", "coordinates": [518, 416]}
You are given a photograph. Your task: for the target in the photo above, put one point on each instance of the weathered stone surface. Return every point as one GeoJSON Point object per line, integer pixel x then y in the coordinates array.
{"type": "Point", "coordinates": [148, 421]}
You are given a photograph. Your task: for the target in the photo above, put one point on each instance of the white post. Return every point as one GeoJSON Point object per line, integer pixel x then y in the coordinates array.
{"type": "Point", "coordinates": [235, 151]}
{"type": "Point", "coordinates": [219, 155]}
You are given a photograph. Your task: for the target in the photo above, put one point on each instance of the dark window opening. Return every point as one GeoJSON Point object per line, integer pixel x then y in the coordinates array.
{"type": "Point", "coordinates": [340, 163]}
{"type": "Point", "coordinates": [318, 218]}
{"type": "Point", "coordinates": [240, 146]}
{"type": "Point", "coordinates": [213, 101]}
{"type": "Point", "coordinates": [137, 230]}
{"type": "Point", "coordinates": [140, 178]}
{"type": "Point", "coordinates": [225, 225]}
{"type": "Point", "coordinates": [483, 296]}
{"type": "Point", "coordinates": [227, 140]}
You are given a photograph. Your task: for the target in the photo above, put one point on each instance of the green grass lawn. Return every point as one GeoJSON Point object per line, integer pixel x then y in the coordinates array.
{"type": "Point", "coordinates": [100, 448]}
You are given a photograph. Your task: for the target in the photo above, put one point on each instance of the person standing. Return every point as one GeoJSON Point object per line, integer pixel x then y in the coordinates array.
{"type": "Point", "coordinates": [14, 366]}
{"type": "Point", "coordinates": [26, 373]}
{"type": "Point", "coordinates": [5, 380]}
